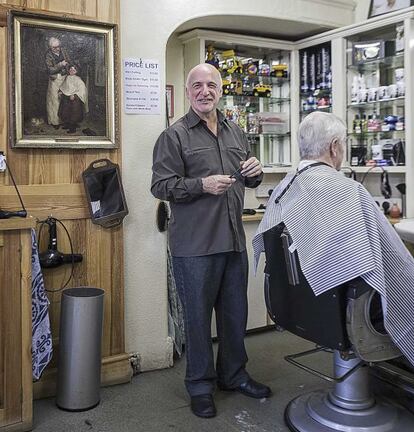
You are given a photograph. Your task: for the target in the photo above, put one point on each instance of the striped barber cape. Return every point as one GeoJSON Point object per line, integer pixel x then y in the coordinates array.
{"type": "Point", "coordinates": [340, 234]}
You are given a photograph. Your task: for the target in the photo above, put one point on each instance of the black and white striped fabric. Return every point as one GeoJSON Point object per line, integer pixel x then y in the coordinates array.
{"type": "Point", "coordinates": [340, 234]}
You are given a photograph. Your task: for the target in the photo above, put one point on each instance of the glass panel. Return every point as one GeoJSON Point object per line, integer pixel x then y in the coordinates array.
{"type": "Point", "coordinates": [256, 96]}
{"type": "Point", "coordinates": [376, 97]}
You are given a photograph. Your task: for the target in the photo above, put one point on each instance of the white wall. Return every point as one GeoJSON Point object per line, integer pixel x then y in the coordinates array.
{"type": "Point", "coordinates": [362, 10]}
{"type": "Point", "coordinates": [145, 29]}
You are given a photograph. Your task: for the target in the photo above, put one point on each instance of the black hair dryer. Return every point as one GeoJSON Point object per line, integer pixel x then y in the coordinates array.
{"type": "Point", "coordinates": [52, 257]}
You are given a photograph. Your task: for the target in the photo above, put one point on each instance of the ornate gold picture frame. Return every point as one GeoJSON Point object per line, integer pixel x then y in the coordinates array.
{"type": "Point", "coordinates": [63, 82]}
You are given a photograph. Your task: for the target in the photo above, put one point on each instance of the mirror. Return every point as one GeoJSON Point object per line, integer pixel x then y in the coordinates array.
{"type": "Point", "coordinates": [104, 192]}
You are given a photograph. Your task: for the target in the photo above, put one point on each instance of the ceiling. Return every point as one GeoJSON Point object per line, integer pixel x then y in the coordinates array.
{"type": "Point", "coordinates": [254, 26]}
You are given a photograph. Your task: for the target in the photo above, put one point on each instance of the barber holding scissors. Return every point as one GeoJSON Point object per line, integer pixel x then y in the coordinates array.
{"type": "Point", "coordinates": [201, 166]}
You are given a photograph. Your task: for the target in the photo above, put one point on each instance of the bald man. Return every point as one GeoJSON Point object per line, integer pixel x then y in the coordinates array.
{"type": "Point", "coordinates": [201, 165]}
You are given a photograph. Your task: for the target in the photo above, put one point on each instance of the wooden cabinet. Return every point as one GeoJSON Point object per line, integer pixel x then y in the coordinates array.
{"type": "Point", "coordinates": [15, 325]}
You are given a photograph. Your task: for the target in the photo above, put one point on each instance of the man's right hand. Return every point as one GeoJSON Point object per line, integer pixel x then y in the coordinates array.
{"type": "Point", "coordinates": [217, 184]}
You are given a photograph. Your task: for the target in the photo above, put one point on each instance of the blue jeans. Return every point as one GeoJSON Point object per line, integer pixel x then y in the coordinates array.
{"type": "Point", "coordinates": [216, 281]}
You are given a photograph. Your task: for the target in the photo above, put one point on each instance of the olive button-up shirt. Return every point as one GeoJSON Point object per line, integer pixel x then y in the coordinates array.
{"type": "Point", "coordinates": [186, 152]}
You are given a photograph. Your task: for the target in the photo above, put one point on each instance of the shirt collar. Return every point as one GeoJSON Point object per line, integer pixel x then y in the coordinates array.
{"type": "Point", "coordinates": [193, 119]}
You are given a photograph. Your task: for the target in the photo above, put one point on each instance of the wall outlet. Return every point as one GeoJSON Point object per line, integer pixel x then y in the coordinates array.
{"type": "Point", "coordinates": [262, 191]}
{"type": "Point", "coordinates": [380, 200]}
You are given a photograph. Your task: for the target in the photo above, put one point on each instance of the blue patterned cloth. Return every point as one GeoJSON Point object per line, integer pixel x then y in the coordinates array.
{"type": "Point", "coordinates": [41, 334]}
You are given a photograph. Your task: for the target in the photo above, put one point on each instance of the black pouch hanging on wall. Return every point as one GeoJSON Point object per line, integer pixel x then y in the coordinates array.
{"type": "Point", "coordinates": [105, 194]}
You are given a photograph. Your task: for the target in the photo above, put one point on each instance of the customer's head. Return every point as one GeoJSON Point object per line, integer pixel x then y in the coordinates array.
{"type": "Point", "coordinates": [322, 136]}
{"type": "Point", "coordinates": [204, 88]}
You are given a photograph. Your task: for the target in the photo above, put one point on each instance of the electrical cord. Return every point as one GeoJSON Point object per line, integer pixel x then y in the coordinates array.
{"type": "Point", "coordinates": [7, 214]}
{"type": "Point", "coordinates": [385, 183]}
{"type": "Point", "coordinates": [352, 173]}
{"type": "Point", "coordinates": [368, 171]}
{"type": "Point", "coordinates": [42, 223]}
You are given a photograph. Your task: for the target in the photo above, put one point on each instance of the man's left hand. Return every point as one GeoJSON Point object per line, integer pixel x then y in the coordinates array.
{"type": "Point", "coordinates": [251, 168]}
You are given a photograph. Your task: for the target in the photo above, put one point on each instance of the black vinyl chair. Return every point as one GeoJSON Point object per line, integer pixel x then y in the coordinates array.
{"type": "Point", "coordinates": [346, 320]}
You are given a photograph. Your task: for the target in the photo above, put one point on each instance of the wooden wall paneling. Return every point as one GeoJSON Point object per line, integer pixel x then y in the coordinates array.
{"type": "Point", "coordinates": [99, 254]}
{"type": "Point", "coordinates": [3, 93]}
{"type": "Point", "coordinates": [78, 235]}
{"type": "Point", "coordinates": [63, 201]}
{"type": "Point", "coordinates": [50, 182]}
{"type": "Point", "coordinates": [13, 2]}
{"type": "Point", "coordinates": [3, 286]}
{"type": "Point", "coordinates": [77, 166]}
{"type": "Point", "coordinates": [108, 11]}
{"type": "Point", "coordinates": [12, 328]}
{"type": "Point", "coordinates": [76, 7]}
{"type": "Point", "coordinates": [26, 310]}
{"type": "Point", "coordinates": [49, 166]}
{"type": "Point", "coordinates": [117, 275]}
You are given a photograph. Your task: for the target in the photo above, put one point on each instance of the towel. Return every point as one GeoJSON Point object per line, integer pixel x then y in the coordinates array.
{"type": "Point", "coordinates": [41, 334]}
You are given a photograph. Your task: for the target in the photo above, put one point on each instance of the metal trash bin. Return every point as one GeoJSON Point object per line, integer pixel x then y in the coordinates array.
{"type": "Point", "coordinates": [79, 368]}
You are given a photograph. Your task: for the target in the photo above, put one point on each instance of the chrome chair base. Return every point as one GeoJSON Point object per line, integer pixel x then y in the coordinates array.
{"type": "Point", "coordinates": [316, 412]}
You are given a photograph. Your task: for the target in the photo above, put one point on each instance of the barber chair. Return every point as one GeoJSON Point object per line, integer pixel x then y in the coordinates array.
{"type": "Point", "coordinates": [346, 321]}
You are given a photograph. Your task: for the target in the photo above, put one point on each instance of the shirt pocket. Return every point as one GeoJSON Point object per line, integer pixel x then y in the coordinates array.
{"type": "Point", "coordinates": [202, 161]}
{"type": "Point", "coordinates": [235, 155]}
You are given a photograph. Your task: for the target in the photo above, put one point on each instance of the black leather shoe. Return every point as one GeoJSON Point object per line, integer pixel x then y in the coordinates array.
{"type": "Point", "coordinates": [203, 406]}
{"type": "Point", "coordinates": [251, 388]}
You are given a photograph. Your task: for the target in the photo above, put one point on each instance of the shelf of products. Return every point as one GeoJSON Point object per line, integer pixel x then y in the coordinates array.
{"type": "Point", "coordinates": [256, 96]}
{"type": "Point", "coordinates": [315, 79]}
{"type": "Point", "coordinates": [376, 98]}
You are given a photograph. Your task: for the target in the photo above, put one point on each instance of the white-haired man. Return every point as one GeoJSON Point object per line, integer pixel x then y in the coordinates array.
{"type": "Point", "coordinates": [56, 60]}
{"type": "Point", "coordinates": [194, 160]}
{"type": "Point", "coordinates": [337, 229]}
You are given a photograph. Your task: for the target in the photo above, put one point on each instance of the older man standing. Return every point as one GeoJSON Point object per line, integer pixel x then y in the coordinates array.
{"type": "Point", "coordinates": [195, 164]}
{"type": "Point", "coordinates": [56, 60]}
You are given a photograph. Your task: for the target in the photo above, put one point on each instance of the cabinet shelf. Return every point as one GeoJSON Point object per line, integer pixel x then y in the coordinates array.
{"type": "Point", "coordinates": [384, 103]}
{"type": "Point", "coordinates": [324, 109]}
{"type": "Point", "coordinates": [244, 99]}
{"type": "Point", "coordinates": [393, 62]}
{"type": "Point", "coordinates": [268, 134]}
{"type": "Point", "coordinates": [276, 169]}
{"type": "Point", "coordinates": [378, 169]}
{"type": "Point", "coordinates": [366, 134]}
{"type": "Point", "coordinates": [318, 93]}
{"type": "Point", "coordinates": [265, 79]}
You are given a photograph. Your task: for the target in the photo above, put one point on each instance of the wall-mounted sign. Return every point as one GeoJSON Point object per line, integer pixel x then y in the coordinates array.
{"type": "Point", "coordinates": [141, 86]}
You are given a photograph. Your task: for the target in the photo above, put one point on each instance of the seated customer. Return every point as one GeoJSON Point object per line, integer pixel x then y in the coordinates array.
{"type": "Point", "coordinates": [338, 230]}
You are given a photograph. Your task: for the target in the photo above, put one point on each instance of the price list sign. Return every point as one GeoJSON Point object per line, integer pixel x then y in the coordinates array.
{"type": "Point", "coordinates": [141, 86]}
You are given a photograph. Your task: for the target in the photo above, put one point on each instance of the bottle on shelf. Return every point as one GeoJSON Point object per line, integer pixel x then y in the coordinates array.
{"type": "Point", "coordinates": [312, 72]}
{"type": "Point", "coordinates": [354, 90]}
{"type": "Point", "coordinates": [357, 124]}
{"type": "Point", "coordinates": [304, 73]}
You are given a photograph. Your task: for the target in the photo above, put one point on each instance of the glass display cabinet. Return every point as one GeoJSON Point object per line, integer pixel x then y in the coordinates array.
{"type": "Point", "coordinates": [376, 97]}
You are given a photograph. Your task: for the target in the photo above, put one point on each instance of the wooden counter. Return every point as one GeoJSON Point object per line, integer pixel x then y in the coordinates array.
{"type": "Point", "coordinates": [15, 324]}
{"type": "Point", "coordinates": [253, 218]}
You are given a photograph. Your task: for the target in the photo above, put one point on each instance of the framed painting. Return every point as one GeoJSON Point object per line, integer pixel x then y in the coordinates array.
{"type": "Point", "coordinates": [380, 7]}
{"type": "Point", "coordinates": [63, 82]}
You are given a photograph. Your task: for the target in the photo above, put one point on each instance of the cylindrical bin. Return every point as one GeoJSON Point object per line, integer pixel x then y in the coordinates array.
{"type": "Point", "coordinates": [79, 368]}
